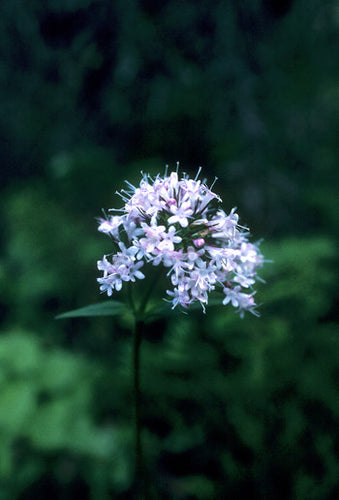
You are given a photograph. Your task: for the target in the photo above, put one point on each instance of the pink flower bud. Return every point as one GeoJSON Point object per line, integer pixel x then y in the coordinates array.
{"type": "Point", "coordinates": [199, 242]}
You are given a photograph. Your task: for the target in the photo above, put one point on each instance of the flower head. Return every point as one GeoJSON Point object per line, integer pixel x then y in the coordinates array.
{"type": "Point", "coordinates": [178, 223]}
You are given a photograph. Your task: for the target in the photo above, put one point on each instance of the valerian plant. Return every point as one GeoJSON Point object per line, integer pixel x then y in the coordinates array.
{"type": "Point", "coordinates": [177, 227]}
{"type": "Point", "coordinates": [179, 224]}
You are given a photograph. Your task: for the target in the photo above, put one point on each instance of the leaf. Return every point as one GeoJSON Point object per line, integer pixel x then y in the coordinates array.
{"type": "Point", "coordinates": [114, 308]}
{"type": "Point", "coordinates": [108, 308]}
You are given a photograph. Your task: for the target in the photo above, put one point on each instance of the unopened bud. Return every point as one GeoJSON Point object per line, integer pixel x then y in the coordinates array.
{"type": "Point", "coordinates": [199, 242]}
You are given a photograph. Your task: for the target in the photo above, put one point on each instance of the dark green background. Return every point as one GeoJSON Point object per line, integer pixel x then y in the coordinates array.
{"type": "Point", "coordinates": [93, 92]}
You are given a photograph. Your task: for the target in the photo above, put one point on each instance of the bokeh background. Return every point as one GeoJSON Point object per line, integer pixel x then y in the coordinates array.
{"type": "Point", "coordinates": [93, 92]}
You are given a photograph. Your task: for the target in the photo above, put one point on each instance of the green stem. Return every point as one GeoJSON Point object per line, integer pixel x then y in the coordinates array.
{"type": "Point", "coordinates": [139, 462]}
{"type": "Point", "coordinates": [142, 485]}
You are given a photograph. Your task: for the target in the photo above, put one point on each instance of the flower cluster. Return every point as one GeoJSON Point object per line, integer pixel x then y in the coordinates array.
{"type": "Point", "coordinates": [178, 223]}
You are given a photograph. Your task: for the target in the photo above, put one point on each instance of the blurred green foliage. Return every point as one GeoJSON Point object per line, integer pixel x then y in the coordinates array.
{"type": "Point", "coordinates": [93, 92]}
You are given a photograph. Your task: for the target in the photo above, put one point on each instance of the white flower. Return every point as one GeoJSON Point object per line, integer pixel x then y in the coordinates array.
{"type": "Point", "coordinates": [109, 225]}
{"type": "Point", "coordinates": [181, 213]}
{"type": "Point", "coordinates": [178, 223]}
{"type": "Point", "coordinates": [153, 237]}
{"type": "Point", "coordinates": [122, 268]}
{"type": "Point", "coordinates": [244, 281]}
{"type": "Point", "coordinates": [169, 240]}
{"type": "Point", "coordinates": [179, 296]}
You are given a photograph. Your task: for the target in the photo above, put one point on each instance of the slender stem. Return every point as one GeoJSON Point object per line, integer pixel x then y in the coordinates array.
{"type": "Point", "coordinates": [139, 462]}
{"type": "Point", "coordinates": [142, 485]}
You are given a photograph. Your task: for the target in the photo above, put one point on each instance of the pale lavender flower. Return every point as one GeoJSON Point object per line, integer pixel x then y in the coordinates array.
{"type": "Point", "coordinates": [122, 268]}
{"type": "Point", "coordinates": [178, 223]}
{"type": "Point", "coordinates": [181, 213]}
{"type": "Point", "coordinates": [110, 225]}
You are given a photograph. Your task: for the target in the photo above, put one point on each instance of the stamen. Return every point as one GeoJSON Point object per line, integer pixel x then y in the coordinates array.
{"type": "Point", "coordinates": [124, 198]}
{"type": "Point", "coordinates": [215, 180]}
{"type": "Point", "coordinates": [130, 185]}
{"type": "Point", "coordinates": [198, 173]}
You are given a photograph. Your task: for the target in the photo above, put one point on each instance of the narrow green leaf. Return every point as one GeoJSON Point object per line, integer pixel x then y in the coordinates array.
{"type": "Point", "coordinates": [107, 308]}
